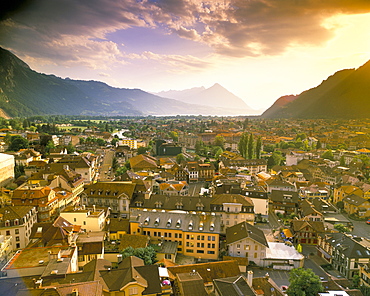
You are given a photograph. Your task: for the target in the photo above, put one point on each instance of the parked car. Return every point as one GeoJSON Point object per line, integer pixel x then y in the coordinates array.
{"type": "Point", "coordinates": [368, 222]}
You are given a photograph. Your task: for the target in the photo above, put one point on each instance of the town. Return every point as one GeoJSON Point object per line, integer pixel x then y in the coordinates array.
{"type": "Point", "coordinates": [184, 205]}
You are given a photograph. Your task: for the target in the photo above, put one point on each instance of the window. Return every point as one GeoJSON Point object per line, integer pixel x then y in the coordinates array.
{"type": "Point", "coordinates": [255, 255]}
{"type": "Point", "coordinates": [246, 247]}
{"type": "Point", "coordinates": [17, 238]}
{"type": "Point", "coordinates": [200, 251]}
{"type": "Point", "coordinates": [255, 247]}
{"type": "Point", "coordinates": [210, 252]}
{"type": "Point", "coordinates": [132, 291]}
{"type": "Point", "coordinates": [8, 232]}
{"type": "Point", "coordinates": [17, 231]}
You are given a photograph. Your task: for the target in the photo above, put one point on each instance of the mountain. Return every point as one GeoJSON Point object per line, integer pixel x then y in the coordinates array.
{"type": "Point", "coordinates": [279, 103]}
{"type": "Point", "coordinates": [25, 92]}
{"type": "Point", "coordinates": [346, 94]}
{"type": "Point", "coordinates": [215, 96]}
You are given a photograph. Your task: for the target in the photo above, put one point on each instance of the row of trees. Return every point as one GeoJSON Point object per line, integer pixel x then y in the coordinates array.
{"type": "Point", "coordinates": [248, 147]}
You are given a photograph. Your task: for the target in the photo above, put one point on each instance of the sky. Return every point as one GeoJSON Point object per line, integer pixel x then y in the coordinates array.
{"type": "Point", "coordinates": [259, 50]}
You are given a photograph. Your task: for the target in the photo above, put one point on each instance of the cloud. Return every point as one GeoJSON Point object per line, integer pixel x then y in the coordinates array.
{"type": "Point", "coordinates": [69, 31]}
{"type": "Point", "coordinates": [256, 27]}
{"type": "Point", "coordinates": [174, 63]}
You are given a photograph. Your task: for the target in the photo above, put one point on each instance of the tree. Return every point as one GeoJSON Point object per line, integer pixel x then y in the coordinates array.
{"type": "Point", "coordinates": [341, 228]}
{"type": "Point", "coordinates": [318, 144]}
{"type": "Point", "coordinates": [243, 145]}
{"type": "Point", "coordinates": [49, 145]}
{"type": "Point", "coordinates": [274, 159]}
{"type": "Point", "coordinates": [342, 161]}
{"type": "Point", "coordinates": [304, 282]}
{"type": "Point", "coordinates": [174, 136]}
{"type": "Point", "coordinates": [258, 148]}
{"type": "Point", "coordinates": [100, 142]}
{"type": "Point", "coordinates": [180, 158]}
{"type": "Point", "coordinates": [250, 147]}
{"type": "Point", "coordinates": [142, 150]}
{"type": "Point", "coordinates": [17, 143]}
{"type": "Point", "coordinates": [220, 141]}
{"type": "Point", "coordinates": [114, 142]}
{"type": "Point", "coordinates": [148, 254]}
{"type": "Point", "coordinates": [328, 154]}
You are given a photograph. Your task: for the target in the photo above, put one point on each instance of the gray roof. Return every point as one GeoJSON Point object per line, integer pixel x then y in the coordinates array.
{"type": "Point", "coordinates": [348, 246]}
{"type": "Point", "coordinates": [181, 220]}
{"type": "Point", "coordinates": [233, 286]}
{"type": "Point", "coordinates": [188, 203]}
{"type": "Point", "coordinates": [245, 230]}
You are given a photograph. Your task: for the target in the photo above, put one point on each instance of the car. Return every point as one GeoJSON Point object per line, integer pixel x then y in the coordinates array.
{"type": "Point", "coordinates": [368, 222]}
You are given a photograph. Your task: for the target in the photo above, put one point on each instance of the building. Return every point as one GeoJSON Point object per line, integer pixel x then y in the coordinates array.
{"type": "Point", "coordinates": [197, 235]}
{"type": "Point", "coordinates": [17, 222]}
{"type": "Point", "coordinates": [247, 241]}
{"type": "Point", "coordinates": [42, 197]}
{"type": "Point", "coordinates": [285, 202]}
{"type": "Point", "coordinates": [233, 208]}
{"type": "Point", "coordinates": [6, 169]}
{"type": "Point", "coordinates": [343, 252]}
{"type": "Point", "coordinates": [114, 195]}
{"type": "Point", "coordinates": [45, 262]}
{"type": "Point", "coordinates": [89, 218]}
{"type": "Point", "coordinates": [131, 277]}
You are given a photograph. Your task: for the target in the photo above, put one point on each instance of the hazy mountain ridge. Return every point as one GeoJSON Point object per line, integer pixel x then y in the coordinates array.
{"type": "Point", "coordinates": [24, 92]}
{"type": "Point", "coordinates": [214, 96]}
{"type": "Point", "coordinates": [345, 94]}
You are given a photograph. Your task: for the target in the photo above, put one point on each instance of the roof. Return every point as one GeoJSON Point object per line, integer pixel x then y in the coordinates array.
{"type": "Point", "coordinates": [282, 251]}
{"type": "Point", "coordinates": [348, 246]}
{"type": "Point", "coordinates": [300, 225]}
{"type": "Point", "coordinates": [191, 284]}
{"type": "Point", "coordinates": [133, 270]}
{"type": "Point", "coordinates": [14, 212]}
{"type": "Point", "coordinates": [133, 240]}
{"type": "Point", "coordinates": [267, 285]}
{"type": "Point", "coordinates": [208, 271]}
{"type": "Point", "coordinates": [231, 198]}
{"type": "Point", "coordinates": [110, 190]}
{"type": "Point", "coordinates": [188, 203]}
{"type": "Point", "coordinates": [143, 161]}
{"type": "Point", "coordinates": [233, 286]}
{"type": "Point", "coordinates": [245, 230]}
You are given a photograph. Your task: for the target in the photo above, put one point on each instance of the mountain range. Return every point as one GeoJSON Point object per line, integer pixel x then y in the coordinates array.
{"type": "Point", "coordinates": [25, 92]}
{"type": "Point", "coordinates": [346, 94]}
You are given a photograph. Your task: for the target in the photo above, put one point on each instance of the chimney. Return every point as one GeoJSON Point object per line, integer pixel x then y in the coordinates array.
{"type": "Point", "coordinates": [94, 208]}
{"type": "Point", "coordinates": [250, 278]}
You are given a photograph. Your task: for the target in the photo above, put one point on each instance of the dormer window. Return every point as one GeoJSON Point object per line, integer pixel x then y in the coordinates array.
{"type": "Point", "coordinates": [212, 226]}
{"type": "Point", "coordinates": [115, 193]}
{"type": "Point", "coordinates": [146, 221]}
{"type": "Point", "coordinates": [92, 191]}
{"type": "Point", "coordinates": [201, 226]}
{"type": "Point", "coordinates": [158, 204]}
{"type": "Point", "coordinates": [107, 192]}
{"type": "Point", "coordinates": [178, 223]}
{"type": "Point", "coordinates": [179, 205]}
{"type": "Point", "coordinates": [100, 192]}
{"type": "Point", "coordinates": [156, 222]}
{"type": "Point", "coordinates": [16, 222]}
{"type": "Point", "coordinates": [169, 223]}
{"type": "Point", "coordinates": [7, 223]}
{"type": "Point", "coordinates": [190, 225]}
